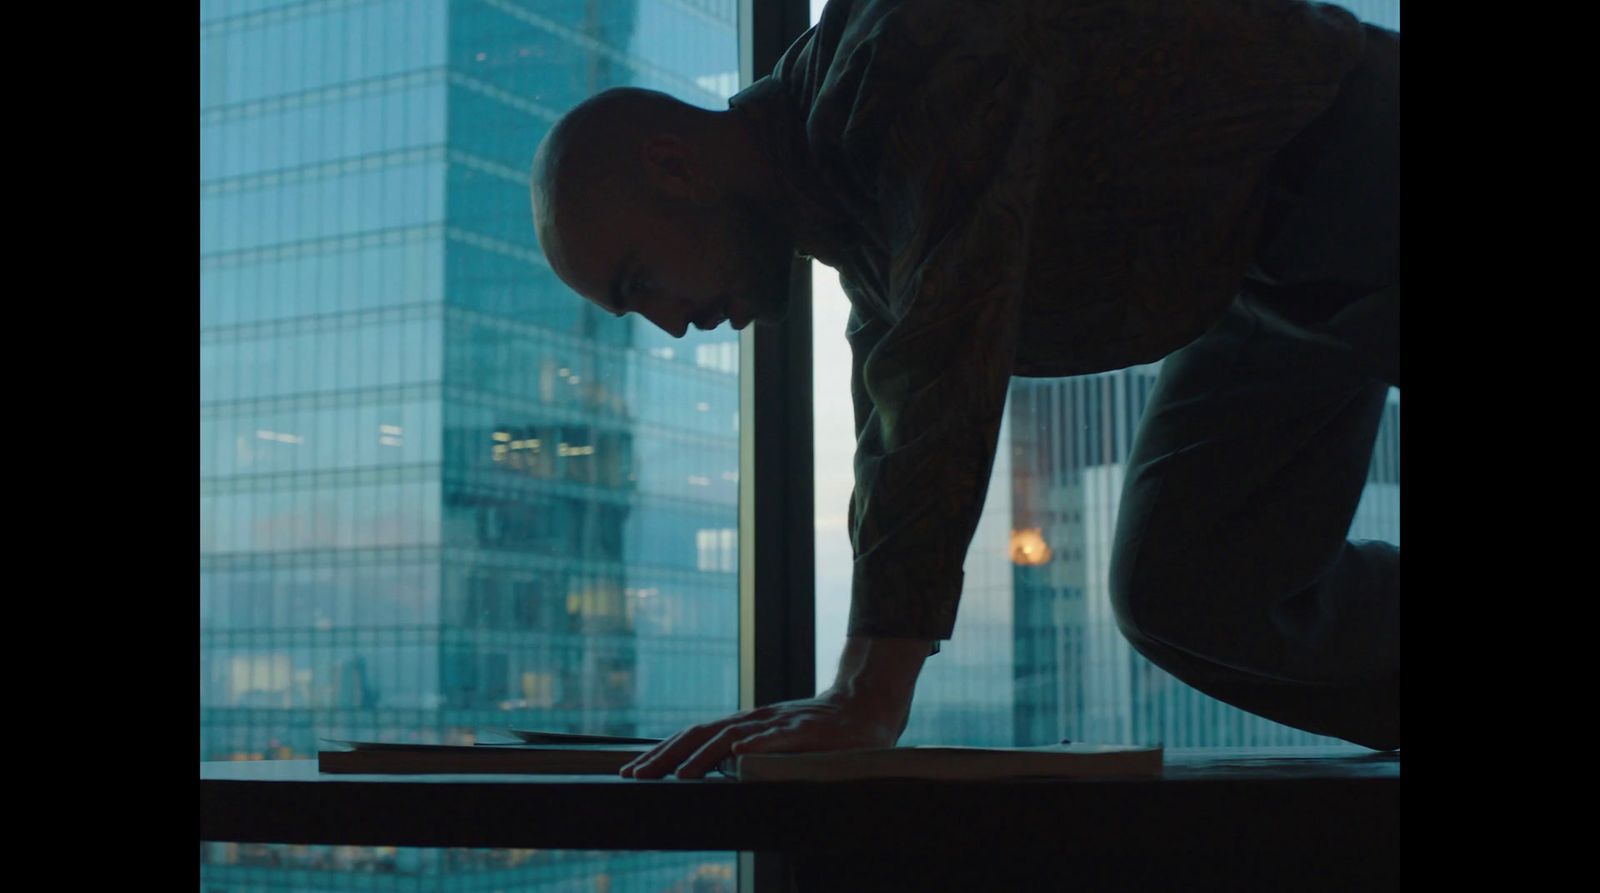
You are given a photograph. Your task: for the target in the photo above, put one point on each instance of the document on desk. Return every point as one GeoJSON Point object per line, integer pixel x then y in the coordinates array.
{"type": "Point", "coordinates": [524, 752]}
{"type": "Point", "coordinates": [1074, 760]}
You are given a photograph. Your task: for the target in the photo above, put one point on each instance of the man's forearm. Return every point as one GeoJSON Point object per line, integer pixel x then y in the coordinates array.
{"type": "Point", "coordinates": [885, 669]}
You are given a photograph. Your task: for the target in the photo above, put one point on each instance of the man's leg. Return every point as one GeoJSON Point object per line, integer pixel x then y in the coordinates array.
{"type": "Point", "coordinates": [1231, 568]}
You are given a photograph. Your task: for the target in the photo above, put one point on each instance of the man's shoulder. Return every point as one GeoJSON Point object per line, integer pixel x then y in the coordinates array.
{"type": "Point", "coordinates": [872, 68]}
{"type": "Point", "coordinates": [893, 42]}
{"type": "Point", "coordinates": [816, 66]}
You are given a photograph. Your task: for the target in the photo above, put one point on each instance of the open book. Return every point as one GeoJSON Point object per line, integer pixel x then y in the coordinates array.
{"type": "Point", "coordinates": [943, 762]}
{"type": "Point", "coordinates": [521, 752]}
{"type": "Point", "coordinates": [555, 753]}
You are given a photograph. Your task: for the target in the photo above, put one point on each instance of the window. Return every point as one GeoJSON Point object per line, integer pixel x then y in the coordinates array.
{"type": "Point", "coordinates": [440, 492]}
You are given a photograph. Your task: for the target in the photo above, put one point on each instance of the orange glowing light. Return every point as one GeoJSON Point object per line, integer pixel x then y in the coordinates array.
{"type": "Point", "coordinates": [1028, 547]}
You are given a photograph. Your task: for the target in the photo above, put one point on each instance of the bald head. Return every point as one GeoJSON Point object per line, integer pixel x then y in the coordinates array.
{"type": "Point", "coordinates": [643, 203]}
{"type": "Point", "coordinates": [590, 160]}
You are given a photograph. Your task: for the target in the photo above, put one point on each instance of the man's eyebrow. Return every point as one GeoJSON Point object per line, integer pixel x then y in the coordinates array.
{"type": "Point", "coordinates": [616, 283]}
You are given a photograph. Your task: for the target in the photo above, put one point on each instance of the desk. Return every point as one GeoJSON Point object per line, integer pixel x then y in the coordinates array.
{"type": "Point", "coordinates": [1236, 820]}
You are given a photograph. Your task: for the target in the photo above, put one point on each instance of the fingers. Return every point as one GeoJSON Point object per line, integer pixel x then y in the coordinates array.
{"type": "Point", "coordinates": [718, 747]}
{"type": "Point", "coordinates": [763, 742]}
{"type": "Point", "coordinates": [797, 726]}
{"type": "Point", "coordinates": [691, 743]}
{"type": "Point", "coordinates": [660, 760]}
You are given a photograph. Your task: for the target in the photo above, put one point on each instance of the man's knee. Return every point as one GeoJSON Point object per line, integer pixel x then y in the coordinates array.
{"type": "Point", "coordinates": [1163, 600]}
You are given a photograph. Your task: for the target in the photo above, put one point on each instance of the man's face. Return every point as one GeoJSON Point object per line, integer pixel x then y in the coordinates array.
{"type": "Point", "coordinates": [678, 264]}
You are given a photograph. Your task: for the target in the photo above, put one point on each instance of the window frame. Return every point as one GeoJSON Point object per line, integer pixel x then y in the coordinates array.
{"type": "Point", "coordinates": [777, 595]}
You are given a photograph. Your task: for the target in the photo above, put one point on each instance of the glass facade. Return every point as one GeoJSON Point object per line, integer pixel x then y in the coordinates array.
{"type": "Point", "coordinates": [438, 491]}
{"type": "Point", "coordinates": [1036, 655]}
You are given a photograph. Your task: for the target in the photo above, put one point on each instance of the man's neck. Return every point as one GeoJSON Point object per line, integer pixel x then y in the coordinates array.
{"type": "Point", "coordinates": [754, 171]}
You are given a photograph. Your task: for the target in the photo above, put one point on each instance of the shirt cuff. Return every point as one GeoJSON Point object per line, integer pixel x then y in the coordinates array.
{"type": "Point", "coordinates": [904, 605]}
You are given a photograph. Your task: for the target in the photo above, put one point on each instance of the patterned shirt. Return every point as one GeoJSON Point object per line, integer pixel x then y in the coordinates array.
{"type": "Point", "coordinates": [1033, 187]}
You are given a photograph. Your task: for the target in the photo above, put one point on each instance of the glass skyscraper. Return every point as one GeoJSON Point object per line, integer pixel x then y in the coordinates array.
{"type": "Point", "coordinates": [438, 492]}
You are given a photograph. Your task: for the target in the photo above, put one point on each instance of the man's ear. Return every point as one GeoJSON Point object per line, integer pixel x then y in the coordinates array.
{"type": "Point", "coordinates": [672, 167]}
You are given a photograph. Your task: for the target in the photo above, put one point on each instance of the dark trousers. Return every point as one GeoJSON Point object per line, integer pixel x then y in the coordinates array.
{"type": "Point", "coordinates": [1231, 568]}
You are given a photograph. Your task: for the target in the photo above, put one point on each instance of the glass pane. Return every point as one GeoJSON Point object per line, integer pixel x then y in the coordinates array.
{"type": "Point", "coordinates": [1036, 654]}
{"type": "Point", "coordinates": [441, 492]}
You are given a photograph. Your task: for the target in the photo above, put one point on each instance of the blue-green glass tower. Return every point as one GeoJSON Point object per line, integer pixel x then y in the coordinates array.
{"type": "Point", "coordinates": [438, 491]}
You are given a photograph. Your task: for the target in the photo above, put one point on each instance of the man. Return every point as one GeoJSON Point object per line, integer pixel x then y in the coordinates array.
{"type": "Point", "coordinates": [1051, 188]}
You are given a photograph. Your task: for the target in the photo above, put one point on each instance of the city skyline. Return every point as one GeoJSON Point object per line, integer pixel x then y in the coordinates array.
{"type": "Point", "coordinates": [439, 492]}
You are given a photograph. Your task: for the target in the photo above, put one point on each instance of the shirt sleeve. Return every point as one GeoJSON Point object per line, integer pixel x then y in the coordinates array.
{"type": "Point", "coordinates": [955, 174]}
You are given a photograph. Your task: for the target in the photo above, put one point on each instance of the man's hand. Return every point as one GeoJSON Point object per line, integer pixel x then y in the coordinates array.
{"type": "Point", "coordinates": [829, 721]}
{"type": "Point", "coordinates": [867, 707]}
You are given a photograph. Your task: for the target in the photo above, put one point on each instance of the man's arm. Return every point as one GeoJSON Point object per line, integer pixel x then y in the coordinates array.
{"type": "Point", "coordinates": [953, 168]}
{"type": "Point", "coordinates": [956, 177]}
{"type": "Point", "coordinates": [882, 674]}
{"type": "Point", "coordinates": [867, 706]}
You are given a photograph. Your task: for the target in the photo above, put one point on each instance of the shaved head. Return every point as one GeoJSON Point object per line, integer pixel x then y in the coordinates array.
{"type": "Point", "coordinates": [639, 206]}
{"type": "Point", "coordinates": [589, 161]}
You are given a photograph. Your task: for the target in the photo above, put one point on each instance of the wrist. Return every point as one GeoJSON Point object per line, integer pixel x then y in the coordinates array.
{"type": "Point", "coordinates": [881, 670]}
